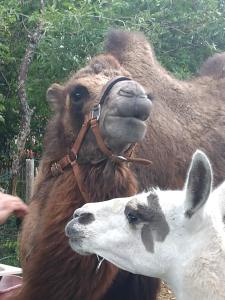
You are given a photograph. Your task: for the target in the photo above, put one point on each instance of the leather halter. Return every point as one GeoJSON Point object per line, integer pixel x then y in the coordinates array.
{"type": "Point", "coordinates": [91, 121]}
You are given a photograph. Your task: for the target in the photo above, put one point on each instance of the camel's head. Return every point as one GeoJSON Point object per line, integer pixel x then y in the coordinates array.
{"type": "Point", "coordinates": [152, 233]}
{"type": "Point", "coordinates": [123, 113]}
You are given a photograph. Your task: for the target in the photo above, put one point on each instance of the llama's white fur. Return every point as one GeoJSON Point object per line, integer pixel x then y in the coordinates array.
{"type": "Point", "coordinates": [191, 258]}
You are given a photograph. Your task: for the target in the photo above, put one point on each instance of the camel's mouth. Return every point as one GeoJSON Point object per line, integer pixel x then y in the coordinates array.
{"type": "Point", "coordinates": [141, 119]}
{"type": "Point", "coordinates": [129, 129]}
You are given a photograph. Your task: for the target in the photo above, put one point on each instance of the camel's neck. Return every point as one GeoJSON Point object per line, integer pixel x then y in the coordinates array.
{"type": "Point", "coordinates": [95, 180]}
{"type": "Point", "coordinates": [156, 80]}
{"type": "Point", "coordinates": [157, 76]}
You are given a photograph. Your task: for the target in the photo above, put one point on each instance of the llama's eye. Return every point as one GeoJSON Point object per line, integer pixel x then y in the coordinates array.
{"type": "Point", "coordinates": [132, 217]}
{"type": "Point", "coordinates": [79, 93]}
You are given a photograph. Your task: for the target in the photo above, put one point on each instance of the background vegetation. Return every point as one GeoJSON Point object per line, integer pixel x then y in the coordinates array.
{"type": "Point", "coordinates": [183, 33]}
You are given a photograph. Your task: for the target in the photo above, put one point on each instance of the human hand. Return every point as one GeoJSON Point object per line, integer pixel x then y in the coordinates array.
{"type": "Point", "coordinates": [11, 205]}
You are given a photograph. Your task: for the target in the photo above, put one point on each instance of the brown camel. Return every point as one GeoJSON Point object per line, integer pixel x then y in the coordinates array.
{"type": "Point", "coordinates": [51, 270]}
{"type": "Point", "coordinates": [185, 115]}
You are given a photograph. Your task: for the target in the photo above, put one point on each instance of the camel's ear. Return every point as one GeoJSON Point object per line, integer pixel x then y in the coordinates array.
{"type": "Point", "coordinates": [198, 183]}
{"type": "Point", "coordinates": [55, 97]}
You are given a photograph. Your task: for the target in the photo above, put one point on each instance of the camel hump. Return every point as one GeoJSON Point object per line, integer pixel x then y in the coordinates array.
{"type": "Point", "coordinates": [214, 66]}
{"type": "Point", "coordinates": [122, 43]}
{"type": "Point", "coordinates": [118, 39]}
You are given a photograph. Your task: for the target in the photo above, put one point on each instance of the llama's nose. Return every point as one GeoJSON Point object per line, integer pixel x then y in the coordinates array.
{"type": "Point", "coordinates": [70, 229]}
{"type": "Point", "coordinates": [83, 218]}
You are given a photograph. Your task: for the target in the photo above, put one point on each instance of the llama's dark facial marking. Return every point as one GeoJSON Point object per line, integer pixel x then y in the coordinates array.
{"type": "Point", "coordinates": [86, 218]}
{"type": "Point", "coordinates": [155, 224]}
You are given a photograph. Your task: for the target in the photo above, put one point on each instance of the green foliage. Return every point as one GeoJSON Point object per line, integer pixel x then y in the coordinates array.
{"type": "Point", "coordinates": [8, 243]}
{"type": "Point", "coordinates": [183, 33]}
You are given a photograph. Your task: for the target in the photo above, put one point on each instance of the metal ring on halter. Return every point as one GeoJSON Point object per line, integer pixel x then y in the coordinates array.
{"type": "Point", "coordinates": [72, 162]}
{"type": "Point", "coordinates": [95, 112]}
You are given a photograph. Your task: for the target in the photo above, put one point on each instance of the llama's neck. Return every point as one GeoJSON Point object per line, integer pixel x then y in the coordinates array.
{"type": "Point", "coordinates": [201, 275]}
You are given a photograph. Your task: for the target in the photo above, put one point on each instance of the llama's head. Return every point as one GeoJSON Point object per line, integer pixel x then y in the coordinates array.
{"type": "Point", "coordinates": [153, 232]}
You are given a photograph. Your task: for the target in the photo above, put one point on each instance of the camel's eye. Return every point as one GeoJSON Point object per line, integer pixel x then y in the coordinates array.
{"type": "Point", "coordinates": [79, 93]}
{"type": "Point", "coordinates": [132, 217]}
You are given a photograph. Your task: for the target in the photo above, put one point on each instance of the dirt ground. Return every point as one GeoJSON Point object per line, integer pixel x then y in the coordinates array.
{"type": "Point", "coordinates": [165, 293]}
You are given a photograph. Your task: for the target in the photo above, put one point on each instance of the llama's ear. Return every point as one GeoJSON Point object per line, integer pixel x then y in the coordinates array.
{"type": "Point", "coordinates": [55, 96]}
{"type": "Point", "coordinates": [198, 183]}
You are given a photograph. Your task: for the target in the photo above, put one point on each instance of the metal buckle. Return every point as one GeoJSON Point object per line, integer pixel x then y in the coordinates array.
{"type": "Point", "coordinates": [95, 112]}
{"type": "Point", "coordinates": [56, 169]}
{"type": "Point", "coordinates": [72, 161]}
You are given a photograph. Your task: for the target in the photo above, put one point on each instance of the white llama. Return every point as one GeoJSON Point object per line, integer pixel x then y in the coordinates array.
{"type": "Point", "coordinates": [178, 236]}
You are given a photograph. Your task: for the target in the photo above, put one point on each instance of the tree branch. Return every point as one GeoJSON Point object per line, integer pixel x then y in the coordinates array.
{"type": "Point", "coordinates": [26, 111]}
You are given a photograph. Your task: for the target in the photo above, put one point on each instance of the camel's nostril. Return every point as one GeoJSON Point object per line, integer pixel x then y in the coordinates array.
{"type": "Point", "coordinates": [126, 93]}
